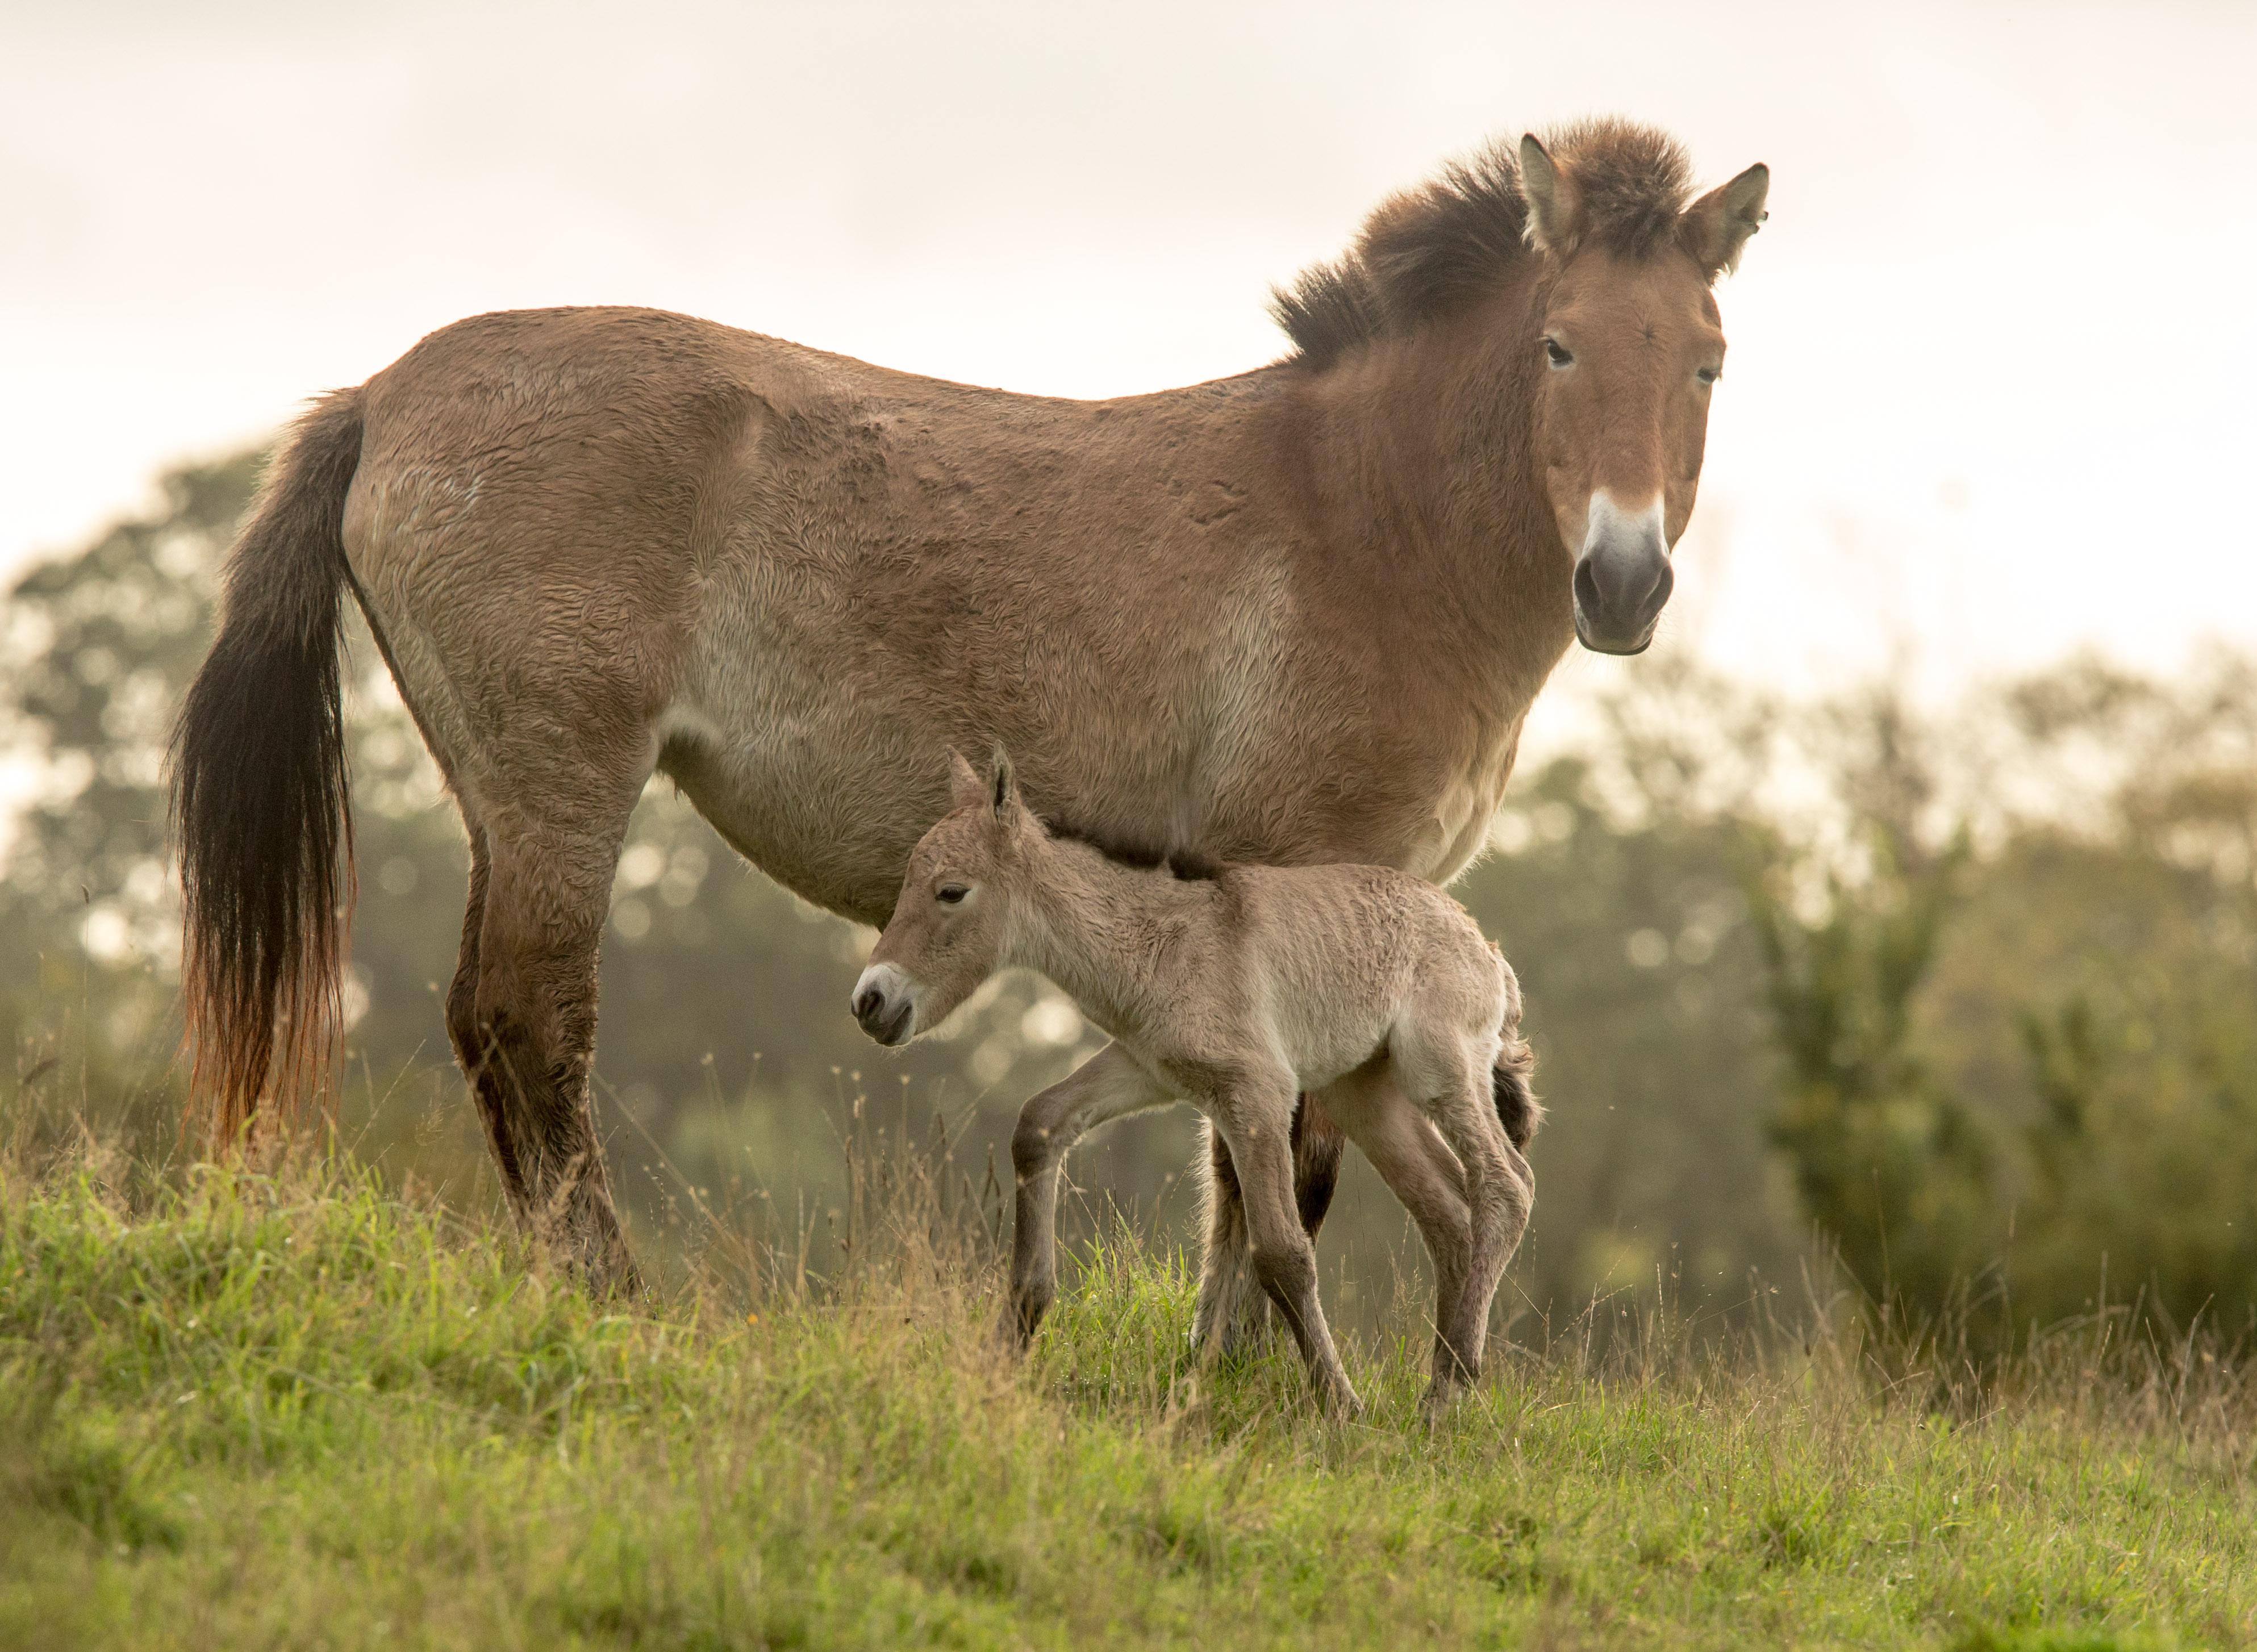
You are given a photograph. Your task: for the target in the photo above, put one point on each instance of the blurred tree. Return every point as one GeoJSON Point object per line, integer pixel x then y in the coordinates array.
{"type": "Point", "coordinates": [95, 648]}
{"type": "Point", "coordinates": [1618, 891]}
{"type": "Point", "coordinates": [1890, 1167]}
{"type": "Point", "coordinates": [2033, 1067]}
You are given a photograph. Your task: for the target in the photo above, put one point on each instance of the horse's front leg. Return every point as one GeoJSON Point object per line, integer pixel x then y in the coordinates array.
{"type": "Point", "coordinates": [1102, 1088]}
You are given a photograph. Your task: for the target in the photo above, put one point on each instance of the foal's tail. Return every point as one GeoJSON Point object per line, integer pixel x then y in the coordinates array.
{"type": "Point", "coordinates": [260, 797]}
{"type": "Point", "coordinates": [1517, 1109]}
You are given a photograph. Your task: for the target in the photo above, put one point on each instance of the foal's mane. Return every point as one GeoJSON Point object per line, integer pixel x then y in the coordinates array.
{"type": "Point", "coordinates": [1426, 251]}
{"type": "Point", "coordinates": [1187, 866]}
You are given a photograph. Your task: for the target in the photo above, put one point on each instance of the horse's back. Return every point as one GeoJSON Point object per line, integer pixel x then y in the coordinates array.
{"type": "Point", "coordinates": [575, 442]}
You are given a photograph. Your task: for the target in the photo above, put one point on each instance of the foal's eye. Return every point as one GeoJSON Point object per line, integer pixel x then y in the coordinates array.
{"type": "Point", "coordinates": [1557, 353]}
{"type": "Point", "coordinates": [1708, 375]}
{"type": "Point", "coordinates": [952, 894]}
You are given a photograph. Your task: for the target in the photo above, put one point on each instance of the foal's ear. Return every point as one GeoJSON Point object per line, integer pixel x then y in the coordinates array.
{"type": "Point", "coordinates": [965, 788]}
{"type": "Point", "coordinates": [1717, 226]}
{"type": "Point", "coordinates": [1552, 207]}
{"type": "Point", "coordinates": [1005, 794]}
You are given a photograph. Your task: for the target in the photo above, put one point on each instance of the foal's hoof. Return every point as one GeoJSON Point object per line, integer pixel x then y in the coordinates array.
{"type": "Point", "coordinates": [1344, 1407]}
{"type": "Point", "coordinates": [610, 1275]}
{"type": "Point", "coordinates": [1435, 1403]}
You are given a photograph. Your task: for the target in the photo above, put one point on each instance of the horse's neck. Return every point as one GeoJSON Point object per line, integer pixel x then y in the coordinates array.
{"type": "Point", "coordinates": [1427, 459]}
{"type": "Point", "coordinates": [1070, 929]}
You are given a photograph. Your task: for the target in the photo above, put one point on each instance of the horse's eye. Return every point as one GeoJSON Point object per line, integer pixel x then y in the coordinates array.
{"type": "Point", "coordinates": [1708, 375]}
{"type": "Point", "coordinates": [1556, 353]}
{"type": "Point", "coordinates": [952, 894]}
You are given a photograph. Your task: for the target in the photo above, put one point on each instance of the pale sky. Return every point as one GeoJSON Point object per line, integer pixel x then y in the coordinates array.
{"type": "Point", "coordinates": [1987, 399]}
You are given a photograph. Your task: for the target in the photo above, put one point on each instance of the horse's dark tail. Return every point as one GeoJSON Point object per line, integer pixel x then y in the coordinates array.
{"type": "Point", "coordinates": [259, 795]}
{"type": "Point", "coordinates": [1517, 1109]}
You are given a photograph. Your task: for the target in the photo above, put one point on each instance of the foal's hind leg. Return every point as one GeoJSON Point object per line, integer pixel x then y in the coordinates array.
{"type": "Point", "coordinates": [1232, 1313]}
{"type": "Point", "coordinates": [1501, 1192]}
{"type": "Point", "coordinates": [1447, 1077]}
{"type": "Point", "coordinates": [522, 1015]}
{"type": "Point", "coordinates": [462, 1021]}
{"type": "Point", "coordinates": [1420, 1170]}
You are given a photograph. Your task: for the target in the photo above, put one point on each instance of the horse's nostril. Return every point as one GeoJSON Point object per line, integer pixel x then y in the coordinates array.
{"type": "Point", "coordinates": [866, 1003]}
{"type": "Point", "coordinates": [1659, 597]}
{"type": "Point", "coordinates": [1587, 586]}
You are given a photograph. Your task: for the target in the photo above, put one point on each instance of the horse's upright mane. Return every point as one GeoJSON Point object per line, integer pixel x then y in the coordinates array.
{"type": "Point", "coordinates": [1426, 251]}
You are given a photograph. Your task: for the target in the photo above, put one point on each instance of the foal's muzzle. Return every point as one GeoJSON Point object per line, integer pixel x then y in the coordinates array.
{"type": "Point", "coordinates": [885, 1003]}
{"type": "Point", "coordinates": [1623, 579]}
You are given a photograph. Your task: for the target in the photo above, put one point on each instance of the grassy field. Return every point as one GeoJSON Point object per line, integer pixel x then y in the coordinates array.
{"type": "Point", "coordinates": [293, 1410]}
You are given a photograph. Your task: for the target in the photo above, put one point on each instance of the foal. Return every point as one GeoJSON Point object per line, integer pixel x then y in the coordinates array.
{"type": "Point", "coordinates": [1236, 993]}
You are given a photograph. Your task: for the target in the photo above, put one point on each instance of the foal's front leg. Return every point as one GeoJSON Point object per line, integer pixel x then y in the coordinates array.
{"type": "Point", "coordinates": [1104, 1087]}
{"type": "Point", "coordinates": [1231, 1314]}
{"type": "Point", "coordinates": [1256, 1121]}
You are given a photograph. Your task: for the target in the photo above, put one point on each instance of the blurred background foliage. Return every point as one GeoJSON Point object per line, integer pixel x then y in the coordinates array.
{"type": "Point", "coordinates": [1962, 1005]}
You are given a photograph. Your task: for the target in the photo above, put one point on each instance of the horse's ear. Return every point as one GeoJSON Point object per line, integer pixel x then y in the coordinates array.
{"type": "Point", "coordinates": [965, 788]}
{"type": "Point", "coordinates": [1553, 208]}
{"type": "Point", "coordinates": [1717, 226]}
{"type": "Point", "coordinates": [1005, 796]}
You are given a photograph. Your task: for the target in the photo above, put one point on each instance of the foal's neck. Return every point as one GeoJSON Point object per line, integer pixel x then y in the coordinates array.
{"type": "Point", "coordinates": [1085, 922]}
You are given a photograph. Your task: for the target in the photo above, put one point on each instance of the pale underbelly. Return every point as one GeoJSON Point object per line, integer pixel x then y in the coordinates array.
{"type": "Point", "coordinates": [823, 767]}
{"type": "Point", "coordinates": [826, 806]}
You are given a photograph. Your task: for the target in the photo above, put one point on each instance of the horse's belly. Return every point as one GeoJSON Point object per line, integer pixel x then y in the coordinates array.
{"type": "Point", "coordinates": [1456, 830]}
{"type": "Point", "coordinates": [818, 799]}
{"type": "Point", "coordinates": [1460, 826]}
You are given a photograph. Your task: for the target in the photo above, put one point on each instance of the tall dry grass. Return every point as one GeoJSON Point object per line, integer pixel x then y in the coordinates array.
{"type": "Point", "coordinates": [285, 1403]}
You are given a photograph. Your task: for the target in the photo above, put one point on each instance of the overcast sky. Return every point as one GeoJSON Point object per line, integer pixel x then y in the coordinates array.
{"type": "Point", "coordinates": [1990, 392]}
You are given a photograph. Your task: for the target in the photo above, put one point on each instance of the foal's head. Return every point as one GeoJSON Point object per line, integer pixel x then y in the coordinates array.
{"type": "Point", "coordinates": [1631, 343]}
{"type": "Point", "coordinates": [953, 914]}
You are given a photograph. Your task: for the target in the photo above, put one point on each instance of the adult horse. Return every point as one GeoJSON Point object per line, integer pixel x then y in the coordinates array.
{"type": "Point", "coordinates": [1298, 615]}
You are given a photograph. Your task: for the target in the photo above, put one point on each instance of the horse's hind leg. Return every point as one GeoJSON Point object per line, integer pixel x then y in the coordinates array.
{"type": "Point", "coordinates": [522, 1015]}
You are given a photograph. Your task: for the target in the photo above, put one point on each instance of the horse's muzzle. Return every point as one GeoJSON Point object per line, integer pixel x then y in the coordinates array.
{"type": "Point", "coordinates": [1623, 579]}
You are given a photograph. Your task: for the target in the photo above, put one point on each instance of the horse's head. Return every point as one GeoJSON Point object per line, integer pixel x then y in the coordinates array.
{"type": "Point", "coordinates": [1631, 344]}
{"type": "Point", "coordinates": [949, 924]}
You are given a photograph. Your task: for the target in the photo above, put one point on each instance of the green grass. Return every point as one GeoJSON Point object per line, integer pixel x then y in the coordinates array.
{"type": "Point", "coordinates": [242, 1411]}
